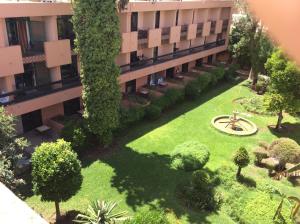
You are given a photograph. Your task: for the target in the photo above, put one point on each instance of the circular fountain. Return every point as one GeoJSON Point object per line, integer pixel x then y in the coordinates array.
{"type": "Point", "coordinates": [234, 125]}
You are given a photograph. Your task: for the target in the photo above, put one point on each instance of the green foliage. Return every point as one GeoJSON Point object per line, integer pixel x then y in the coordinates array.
{"type": "Point", "coordinates": [194, 88]}
{"type": "Point", "coordinates": [131, 115]}
{"type": "Point", "coordinates": [200, 193]}
{"type": "Point", "coordinates": [255, 105]}
{"type": "Point", "coordinates": [148, 216]}
{"type": "Point", "coordinates": [55, 171]}
{"type": "Point", "coordinates": [241, 159]}
{"type": "Point", "coordinates": [76, 132]}
{"type": "Point", "coordinates": [285, 150]}
{"type": "Point", "coordinates": [171, 97]}
{"type": "Point", "coordinates": [284, 94]}
{"type": "Point", "coordinates": [101, 212]}
{"type": "Point", "coordinates": [99, 73]}
{"type": "Point", "coordinates": [230, 72]}
{"type": "Point", "coordinates": [190, 156]}
{"type": "Point", "coordinates": [260, 154]}
{"type": "Point", "coordinates": [11, 149]}
{"type": "Point", "coordinates": [153, 112]}
{"type": "Point", "coordinates": [218, 73]}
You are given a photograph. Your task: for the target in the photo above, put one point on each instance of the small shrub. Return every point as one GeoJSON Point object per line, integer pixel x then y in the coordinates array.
{"type": "Point", "coordinates": [262, 84]}
{"type": "Point", "coordinates": [77, 133]}
{"type": "Point", "coordinates": [171, 97]}
{"type": "Point", "coordinates": [192, 91]}
{"type": "Point", "coordinates": [190, 156]}
{"type": "Point", "coordinates": [230, 72]}
{"type": "Point", "coordinates": [285, 150]}
{"type": "Point", "coordinates": [264, 145]}
{"type": "Point", "coordinates": [241, 159]}
{"type": "Point", "coordinates": [200, 193]}
{"type": "Point", "coordinates": [153, 112]}
{"type": "Point", "coordinates": [131, 115]}
{"type": "Point", "coordinates": [148, 216]}
{"type": "Point", "coordinates": [260, 154]}
{"type": "Point", "coordinates": [218, 73]}
{"type": "Point", "coordinates": [204, 81]}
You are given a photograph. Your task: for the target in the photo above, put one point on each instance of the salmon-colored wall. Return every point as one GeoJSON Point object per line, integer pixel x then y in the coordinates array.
{"type": "Point", "coordinates": [192, 31]}
{"type": "Point", "coordinates": [175, 34]}
{"type": "Point", "coordinates": [11, 61]}
{"type": "Point", "coordinates": [52, 111]}
{"type": "Point", "coordinates": [123, 59]}
{"type": "Point", "coordinates": [219, 25]}
{"type": "Point", "coordinates": [197, 42]}
{"type": "Point", "coordinates": [206, 28]}
{"type": "Point", "coordinates": [183, 44]}
{"type": "Point", "coordinates": [44, 101]}
{"type": "Point", "coordinates": [185, 17]}
{"type": "Point", "coordinates": [165, 49]}
{"type": "Point", "coordinates": [129, 42]}
{"type": "Point", "coordinates": [154, 38]}
{"type": "Point", "coordinates": [57, 53]}
{"type": "Point", "coordinates": [200, 15]}
{"type": "Point", "coordinates": [167, 18]}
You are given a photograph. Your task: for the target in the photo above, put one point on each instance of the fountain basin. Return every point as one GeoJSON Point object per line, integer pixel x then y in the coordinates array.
{"type": "Point", "coordinates": [242, 127]}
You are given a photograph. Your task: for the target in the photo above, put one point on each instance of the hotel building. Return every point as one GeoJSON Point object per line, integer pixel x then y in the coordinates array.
{"type": "Point", "coordinates": [39, 71]}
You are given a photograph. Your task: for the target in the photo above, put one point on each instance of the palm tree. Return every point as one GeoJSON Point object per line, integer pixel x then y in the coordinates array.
{"type": "Point", "coordinates": [101, 212]}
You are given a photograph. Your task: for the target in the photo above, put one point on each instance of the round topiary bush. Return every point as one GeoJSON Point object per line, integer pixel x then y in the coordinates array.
{"type": "Point", "coordinates": [241, 159]}
{"type": "Point", "coordinates": [286, 150]}
{"type": "Point", "coordinates": [190, 156]}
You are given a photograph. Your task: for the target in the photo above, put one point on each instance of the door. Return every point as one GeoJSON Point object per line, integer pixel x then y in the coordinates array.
{"type": "Point", "coordinates": [185, 67]}
{"type": "Point", "coordinates": [199, 62]}
{"type": "Point", "coordinates": [71, 106]}
{"type": "Point", "coordinates": [130, 86]}
{"type": "Point", "coordinates": [155, 53]}
{"type": "Point", "coordinates": [31, 120]}
{"type": "Point", "coordinates": [210, 59]}
{"type": "Point", "coordinates": [170, 72]}
{"type": "Point", "coordinates": [157, 19]}
{"type": "Point", "coordinates": [134, 21]}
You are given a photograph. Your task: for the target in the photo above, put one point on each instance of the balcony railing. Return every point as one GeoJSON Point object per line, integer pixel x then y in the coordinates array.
{"type": "Point", "coordinates": [165, 35]}
{"type": "Point", "coordinates": [167, 57]}
{"type": "Point", "coordinates": [199, 29]}
{"type": "Point", "coordinates": [38, 91]}
{"type": "Point", "coordinates": [142, 34]}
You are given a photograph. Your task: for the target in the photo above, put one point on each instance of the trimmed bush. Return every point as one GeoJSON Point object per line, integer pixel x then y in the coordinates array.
{"type": "Point", "coordinates": [255, 105]}
{"type": "Point", "coordinates": [286, 150]}
{"type": "Point", "coordinates": [148, 216]}
{"type": "Point", "coordinates": [153, 112]}
{"type": "Point", "coordinates": [230, 72]}
{"type": "Point", "coordinates": [77, 133]}
{"type": "Point", "coordinates": [218, 72]}
{"type": "Point", "coordinates": [131, 115]}
{"type": "Point", "coordinates": [192, 91]}
{"type": "Point", "coordinates": [190, 156]}
{"type": "Point", "coordinates": [171, 97]}
{"type": "Point", "coordinates": [260, 154]}
{"type": "Point", "coordinates": [241, 159]}
{"type": "Point", "coordinates": [200, 192]}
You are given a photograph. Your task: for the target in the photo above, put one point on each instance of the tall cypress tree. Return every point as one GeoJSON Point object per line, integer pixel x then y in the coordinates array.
{"type": "Point", "coordinates": [96, 25]}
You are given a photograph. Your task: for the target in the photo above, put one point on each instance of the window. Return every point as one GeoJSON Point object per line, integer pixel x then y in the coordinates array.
{"type": "Point", "coordinates": [134, 21]}
{"type": "Point", "coordinates": [157, 19]}
{"type": "Point", "coordinates": [177, 14]}
{"type": "Point", "coordinates": [71, 70]}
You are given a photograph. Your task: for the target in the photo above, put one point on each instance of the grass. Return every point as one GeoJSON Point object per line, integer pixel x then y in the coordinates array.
{"type": "Point", "coordinates": [137, 172]}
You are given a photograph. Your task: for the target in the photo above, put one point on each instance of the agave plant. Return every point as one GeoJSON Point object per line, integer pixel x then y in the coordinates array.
{"type": "Point", "coordinates": [291, 172]}
{"type": "Point", "coordinates": [101, 212]}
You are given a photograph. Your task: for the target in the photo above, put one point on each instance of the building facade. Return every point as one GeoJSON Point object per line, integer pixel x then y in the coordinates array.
{"type": "Point", "coordinates": [39, 71]}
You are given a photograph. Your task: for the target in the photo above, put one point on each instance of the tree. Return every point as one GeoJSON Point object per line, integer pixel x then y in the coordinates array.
{"type": "Point", "coordinates": [241, 159]}
{"type": "Point", "coordinates": [96, 25]}
{"type": "Point", "coordinates": [284, 90]}
{"type": "Point", "coordinates": [11, 149]}
{"type": "Point", "coordinates": [250, 45]}
{"type": "Point", "coordinates": [101, 212]}
{"type": "Point", "coordinates": [56, 172]}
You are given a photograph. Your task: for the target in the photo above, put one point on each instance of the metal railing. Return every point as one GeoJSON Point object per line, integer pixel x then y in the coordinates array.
{"type": "Point", "coordinates": [167, 57]}
{"type": "Point", "coordinates": [142, 34]}
{"type": "Point", "coordinates": [213, 27]}
{"type": "Point", "coordinates": [38, 91]}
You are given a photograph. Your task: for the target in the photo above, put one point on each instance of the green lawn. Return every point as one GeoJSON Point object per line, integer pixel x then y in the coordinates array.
{"type": "Point", "coordinates": [137, 173]}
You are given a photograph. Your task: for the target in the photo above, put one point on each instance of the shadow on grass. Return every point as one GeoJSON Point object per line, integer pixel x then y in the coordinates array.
{"type": "Point", "coordinates": [148, 179]}
{"type": "Point", "coordinates": [289, 130]}
{"type": "Point", "coordinates": [246, 181]}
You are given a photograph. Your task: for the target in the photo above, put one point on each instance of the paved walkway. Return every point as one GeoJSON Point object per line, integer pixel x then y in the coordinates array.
{"type": "Point", "coordinates": [13, 210]}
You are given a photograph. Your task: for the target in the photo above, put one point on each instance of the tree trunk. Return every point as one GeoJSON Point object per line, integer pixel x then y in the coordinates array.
{"type": "Point", "coordinates": [250, 77]}
{"type": "Point", "coordinates": [279, 121]}
{"type": "Point", "coordinates": [238, 174]}
{"type": "Point", "coordinates": [57, 210]}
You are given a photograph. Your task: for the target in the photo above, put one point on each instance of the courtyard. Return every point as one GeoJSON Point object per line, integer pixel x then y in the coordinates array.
{"type": "Point", "coordinates": [136, 171]}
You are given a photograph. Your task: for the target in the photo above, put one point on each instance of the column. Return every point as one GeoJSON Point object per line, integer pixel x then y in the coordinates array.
{"type": "Point", "coordinates": [52, 35]}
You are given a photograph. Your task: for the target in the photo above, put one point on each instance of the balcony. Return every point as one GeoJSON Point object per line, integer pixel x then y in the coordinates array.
{"type": "Point", "coordinates": [225, 25]}
{"type": "Point", "coordinates": [25, 94]}
{"type": "Point", "coordinates": [129, 42]}
{"type": "Point", "coordinates": [184, 30]}
{"type": "Point", "coordinates": [175, 34]}
{"type": "Point", "coordinates": [167, 57]}
{"type": "Point", "coordinates": [154, 38]}
{"type": "Point", "coordinates": [11, 61]}
{"type": "Point", "coordinates": [199, 30]}
{"type": "Point", "coordinates": [192, 31]}
{"type": "Point", "coordinates": [142, 38]}
{"type": "Point", "coordinates": [165, 35]}
{"type": "Point", "coordinates": [213, 27]}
